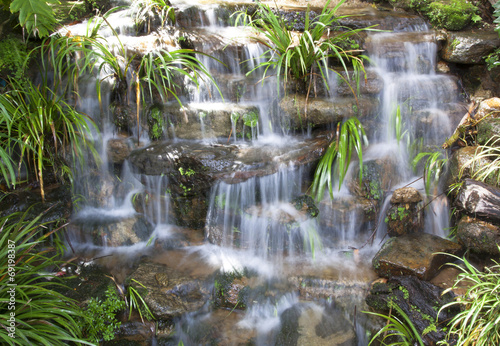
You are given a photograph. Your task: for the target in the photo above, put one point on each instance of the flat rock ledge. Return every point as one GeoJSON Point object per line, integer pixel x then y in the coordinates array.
{"type": "Point", "coordinates": [420, 255]}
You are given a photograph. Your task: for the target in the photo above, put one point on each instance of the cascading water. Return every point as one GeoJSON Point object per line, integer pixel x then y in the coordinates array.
{"type": "Point", "coordinates": [263, 223]}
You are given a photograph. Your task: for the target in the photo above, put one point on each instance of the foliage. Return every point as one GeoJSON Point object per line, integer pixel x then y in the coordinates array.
{"type": "Point", "coordinates": [42, 315]}
{"type": "Point", "coordinates": [135, 301]}
{"type": "Point", "coordinates": [100, 316]}
{"type": "Point", "coordinates": [36, 16]}
{"type": "Point", "coordinates": [401, 328]}
{"type": "Point", "coordinates": [489, 173]}
{"type": "Point", "coordinates": [496, 14]}
{"type": "Point", "coordinates": [303, 59]}
{"type": "Point", "coordinates": [349, 138]}
{"type": "Point", "coordinates": [479, 322]}
{"type": "Point", "coordinates": [493, 59]}
{"type": "Point", "coordinates": [44, 127]}
{"type": "Point", "coordinates": [451, 16]}
{"type": "Point", "coordinates": [145, 9]}
{"type": "Point", "coordinates": [433, 168]}
{"type": "Point", "coordinates": [13, 55]}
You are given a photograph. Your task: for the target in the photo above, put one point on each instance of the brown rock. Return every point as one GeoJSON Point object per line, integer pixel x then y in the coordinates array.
{"type": "Point", "coordinates": [479, 236]}
{"type": "Point", "coordinates": [406, 195]}
{"type": "Point", "coordinates": [420, 255]}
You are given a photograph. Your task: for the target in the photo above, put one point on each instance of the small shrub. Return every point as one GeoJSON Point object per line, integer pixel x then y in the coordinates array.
{"type": "Point", "coordinates": [100, 316]}
{"type": "Point", "coordinates": [452, 16]}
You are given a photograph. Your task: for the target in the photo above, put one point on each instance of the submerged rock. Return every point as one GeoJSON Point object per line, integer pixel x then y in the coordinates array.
{"type": "Point", "coordinates": [420, 255]}
{"type": "Point", "coordinates": [304, 324]}
{"type": "Point", "coordinates": [170, 293]}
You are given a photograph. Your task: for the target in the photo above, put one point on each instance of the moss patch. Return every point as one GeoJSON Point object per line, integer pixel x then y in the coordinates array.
{"type": "Point", "coordinates": [451, 15]}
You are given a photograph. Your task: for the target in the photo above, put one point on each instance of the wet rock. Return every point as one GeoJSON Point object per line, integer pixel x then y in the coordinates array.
{"type": "Point", "coordinates": [306, 204]}
{"type": "Point", "coordinates": [310, 325]}
{"type": "Point", "coordinates": [378, 177]}
{"type": "Point", "coordinates": [321, 112]}
{"type": "Point", "coordinates": [478, 236]}
{"type": "Point", "coordinates": [111, 231]}
{"type": "Point", "coordinates": [124, 117]}
{"type": "Point", "coordinates": [489, 108]}
{"type": "Point", "coordinates": [420, 255]}
{"type": "Point", "coordinates": [406, 213]}
{"type": "Point", "coordinates": [419, 300]}
{"type": "Point", "coordinates": [118, 149]}
{"type": "Point", "coordinates": [231, 290]}
{"type": "Point", "coordinates": [169, 292]}
{"type": "Point", "coordinates": [369, 83]}
{"type": "Point", "coordinates": [479, 200]}
{"type": "Point", "coordinates": [469, 47]}
{"type": "Point", "coordinates": [198, 122]}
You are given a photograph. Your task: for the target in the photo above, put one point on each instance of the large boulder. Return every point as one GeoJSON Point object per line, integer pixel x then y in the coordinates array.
{"type": "Point", "coordinates": [469, 47]}
{"type": "Point", "coordinates": [420, 255]}
{"type": "Point", "coordinates": [479, 236]}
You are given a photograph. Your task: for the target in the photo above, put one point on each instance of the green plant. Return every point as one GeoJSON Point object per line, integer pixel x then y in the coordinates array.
{"type": "Point", "coordinates": [146, 9]}
{"type": "Point", "coordinates": [13, 56]}
{"type": "Point", "coordinates": [251, 119]}
{"type": "Point", "coordinates": [135, 301]}
{"type": "Point", "coordinates": [44, 127]}
{"type": "Point", "coordinates": [478, 322]}
{"type": "Point", "coordinates": [36, 16]}
{"type": "Point", "coordinates": [100, 316]}
{"type": "Point", "coordinates": [491, 171]}
{"type": "Point", "coordinates": [401, 328]}
{"type": "Point", "coordinates": [350, 137]}
{"type": "Point", "coordinates": [302, 60]}
{"type": "Point", "coordinates": [433, 167]}
{"type": "Point", "coordinates": [33, 312]}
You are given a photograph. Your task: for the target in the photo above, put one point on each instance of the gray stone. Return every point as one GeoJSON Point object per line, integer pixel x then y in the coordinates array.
{"type": "Point", "coordinates": [469, 47]}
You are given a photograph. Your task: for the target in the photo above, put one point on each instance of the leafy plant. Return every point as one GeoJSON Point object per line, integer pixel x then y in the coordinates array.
{"type": "Point", "coordinates": [302, 60]}
{"type": "Point", "coordinates": [433, 167]}
{"type": "Point", "coordinates": [36, 16]}
{"type": "Point", "coordinates": [44, 127]}
{"type": "Point", "coordinates": [401, 328]}
{"type": "Point", "coordinates": [350, 136]}
{"type": "Point", "coordinates": [32, 311]}
{"type": "Point", "coordinates": [478, 323]}
{"type": "Point", "coordinates": [135, 301]}
{"type": "Point", "coordinates": [101, 316]}
{"type": "Point", "coordinates": [13, 55]}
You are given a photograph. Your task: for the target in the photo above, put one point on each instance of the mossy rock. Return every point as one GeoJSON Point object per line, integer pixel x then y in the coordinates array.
{"type": "Point", "coordinates": [451, 15]}
{"type": "Point", "coordinates": [486, 130]}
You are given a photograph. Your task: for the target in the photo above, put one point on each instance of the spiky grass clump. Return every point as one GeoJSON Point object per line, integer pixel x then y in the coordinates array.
{"type": "Point", "coordinates": [28, 291]}
{"type": "Point", "coordinates": [478, 323]}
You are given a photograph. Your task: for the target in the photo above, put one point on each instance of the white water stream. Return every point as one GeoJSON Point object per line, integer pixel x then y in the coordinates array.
{"type": "Point", "coordinates": [255, 223]}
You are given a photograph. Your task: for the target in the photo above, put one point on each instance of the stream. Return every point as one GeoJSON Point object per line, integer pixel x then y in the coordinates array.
{"type": "Point", "coordinates": [214, 218]}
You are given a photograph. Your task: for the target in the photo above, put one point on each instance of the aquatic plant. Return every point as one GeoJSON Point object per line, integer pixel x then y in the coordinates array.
{"type": "Point", "coordinates": [350, 136]}
{"type": "Point", "coordinates": [400, 328]}
{"type": "Point", "coordinates": [304, 59]}
{"type": "Point", "coordinates": [33, 311]}
{"type": "Point", "coordinates": [478, 322]}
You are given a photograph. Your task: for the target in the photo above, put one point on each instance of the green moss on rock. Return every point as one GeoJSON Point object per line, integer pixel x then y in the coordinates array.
{"type": "Point", "coordinates": [450, 15]}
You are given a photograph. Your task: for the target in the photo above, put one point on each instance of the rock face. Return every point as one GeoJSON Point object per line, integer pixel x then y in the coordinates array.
{"type": "Point", "coordinates": [419, 300]}
{"type": "Point", "coordinates": [460, 165]}
{"type": "Point", "coordinates": [405, 215]}
{"type": "Point", "coordinates": [469, 47]}
{"type": "Point", "coordinates": [479, 236]}
{"type": "Point", "coordinates": [479, 199]}
{"type": "Point", "coordinates": [420, 255]}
